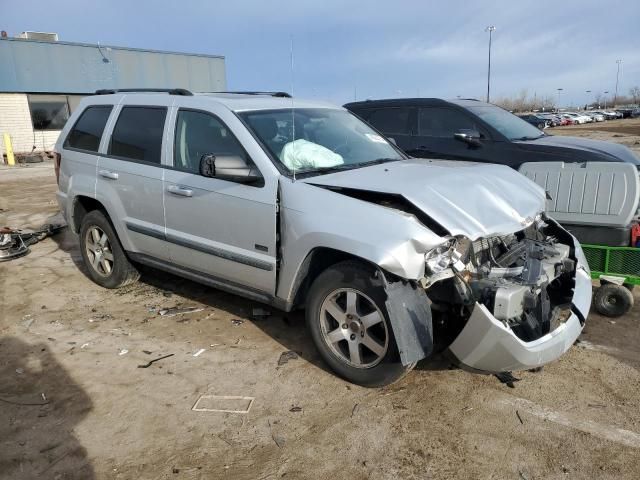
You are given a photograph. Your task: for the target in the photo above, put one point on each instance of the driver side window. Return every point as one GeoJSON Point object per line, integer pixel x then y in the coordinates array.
{"type": "Point", "coordinates": [443, 122]}
{"type": "Point", "coordinates": [198, 134]}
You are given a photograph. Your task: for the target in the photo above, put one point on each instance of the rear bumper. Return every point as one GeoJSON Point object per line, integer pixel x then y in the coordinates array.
{"type": "Point", "coordinates": [486, 344]}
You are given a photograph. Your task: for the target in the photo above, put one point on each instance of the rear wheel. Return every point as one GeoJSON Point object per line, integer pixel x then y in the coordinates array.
{"type": "Point", "coordinates": [350, 326]}
{"type": "Point", "coordinates": [106, 262]}
{"type": "Point", "coordinates": [613, 300]}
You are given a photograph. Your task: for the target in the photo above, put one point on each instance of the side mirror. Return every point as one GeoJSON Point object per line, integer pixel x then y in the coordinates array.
{"type": "Point", "coordinates": [228, 167]}
{"type": "Point", "coordinates": [468, 136]}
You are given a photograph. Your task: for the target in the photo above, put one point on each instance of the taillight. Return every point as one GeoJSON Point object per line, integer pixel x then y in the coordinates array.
{"type": "Point", "coordinates": [57, 158]}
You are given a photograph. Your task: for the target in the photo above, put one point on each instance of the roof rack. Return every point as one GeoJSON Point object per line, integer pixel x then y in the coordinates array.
{"type": "Point", "coordinates": [272, 94]}
{"type": "Point", "coordinates": [170, 91]}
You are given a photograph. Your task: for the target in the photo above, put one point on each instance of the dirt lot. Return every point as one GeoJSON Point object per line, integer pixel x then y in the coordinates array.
{"type": "Point", "coordinates": [74, 404]}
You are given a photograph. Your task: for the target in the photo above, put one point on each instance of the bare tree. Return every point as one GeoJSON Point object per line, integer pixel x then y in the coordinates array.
{"type": "Point", "coordinates": [635, 93]}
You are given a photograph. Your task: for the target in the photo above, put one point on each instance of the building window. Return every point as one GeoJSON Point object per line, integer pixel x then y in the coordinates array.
{"type": "Point", "coordinates": [48, 112]}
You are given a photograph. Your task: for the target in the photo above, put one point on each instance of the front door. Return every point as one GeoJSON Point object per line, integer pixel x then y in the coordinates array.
{"type": "Point", "coordinates": [434, 138]}
{"type": "Point", "coordinates": [221, 228]}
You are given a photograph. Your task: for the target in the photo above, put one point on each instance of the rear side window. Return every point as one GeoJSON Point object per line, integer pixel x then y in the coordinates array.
{"type": "Point", "coordinates": [443, 122]}
{"type": "Point", "coordinates": [87, 132]}
{"type": "Point", "coordinates": [138, 134]}
{"type": "Point", "coordinates": [390, 120]}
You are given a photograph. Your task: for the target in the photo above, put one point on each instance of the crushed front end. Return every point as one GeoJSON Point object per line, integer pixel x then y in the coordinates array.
{"type": "Point", "coordinates": [510, 302]}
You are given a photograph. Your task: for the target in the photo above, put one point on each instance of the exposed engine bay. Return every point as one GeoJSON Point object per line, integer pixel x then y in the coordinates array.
{"type": "Point", "coordinates": [524, 279]}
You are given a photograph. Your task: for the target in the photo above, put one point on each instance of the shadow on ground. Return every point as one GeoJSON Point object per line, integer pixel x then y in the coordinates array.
{"type": "Point", "coordinates": [40, 405]}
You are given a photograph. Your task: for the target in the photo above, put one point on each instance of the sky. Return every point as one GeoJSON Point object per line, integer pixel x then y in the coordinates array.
{"type": "Point", "coordinates": [371, 49]}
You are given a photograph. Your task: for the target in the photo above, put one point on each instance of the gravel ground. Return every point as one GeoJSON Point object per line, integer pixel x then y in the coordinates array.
{"type": "Point", "coordinates": [74, 404]}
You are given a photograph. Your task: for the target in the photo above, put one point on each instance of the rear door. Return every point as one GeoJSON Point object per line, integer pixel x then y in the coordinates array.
{"type": "Point", "coordinates": [130, 176]}
{"type": "Point", "coordinates": [224, 229]}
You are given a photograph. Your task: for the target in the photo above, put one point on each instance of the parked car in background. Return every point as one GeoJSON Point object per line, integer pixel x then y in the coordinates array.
{"type": "Point", "coordinates": [535, 120]}
{"type": "Point", "coordinates": [635, 112]}
{"type": "Point", "coordinates": [321, 212]}
{"type": "Point", "coordinates": [478, 131]}
{"type": "Point", "coordinates": [595, 116]}
{"type": "Point", "coordinates": [579, 118]}
{"type": "Point", "coordinates": [552, 120]}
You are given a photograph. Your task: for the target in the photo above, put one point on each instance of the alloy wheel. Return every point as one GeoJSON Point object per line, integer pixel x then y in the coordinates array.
{"type": "Point", "coordinates": [354, 328]}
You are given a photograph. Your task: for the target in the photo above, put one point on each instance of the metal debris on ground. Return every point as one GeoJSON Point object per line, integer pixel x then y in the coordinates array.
{"type": "Point", "coordinates": [286, 356]}
{"type": "Point", "coordinates": [15, 242]}
{"type": "Point", "coordinates": [260, 313]}
{"type": "Point", "coordinates": [123, 351]}
{"type": "Point", "coordinates": [223, 404]}
{"type": "Point", "coordinates": [199, 352]}
{"type": "Point", "coordinates": [148, 364]}
{"type": "Point", "coordinates": [295, 409]}
{"type": "Point", "coordinates": [173, 311]}
{"type": "Point", "coordinates": [507, 378]}
{"type": "Point", "coordinates": [519, 417]}
{"type": "Point", "coordinates": [236, 322]}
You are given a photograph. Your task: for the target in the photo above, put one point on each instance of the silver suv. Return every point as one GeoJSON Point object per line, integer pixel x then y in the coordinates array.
{"type": "Point", "coordinates": [299, 204]}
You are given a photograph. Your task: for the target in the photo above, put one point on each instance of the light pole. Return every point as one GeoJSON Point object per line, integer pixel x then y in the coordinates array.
{"type": "Point", "coordinates": [615, 98]}
{"type": "Point", "coordinates": [588, 91]}
{"type": "Point", "coordinates": [489, 29]}
{"type": "Point", "coordinates": [559, 90]}
{"type": "Point", "coordinates": [605, 99]}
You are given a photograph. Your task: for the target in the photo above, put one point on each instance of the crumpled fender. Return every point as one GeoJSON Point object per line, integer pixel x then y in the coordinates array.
{"type": "Point", "coordinates": [409, 311]}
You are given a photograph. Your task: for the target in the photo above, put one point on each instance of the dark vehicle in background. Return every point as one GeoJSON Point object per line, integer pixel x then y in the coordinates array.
{"type": "Point", "coordinates": [535, 120]}
{"type": "Point", "coordinates": [477, 131]}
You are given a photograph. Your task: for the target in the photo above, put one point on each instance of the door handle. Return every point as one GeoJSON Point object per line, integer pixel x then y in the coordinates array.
{"type": "Point", "coordinates": [108, 174]}
{"type": "Point", "coordinates": [177, 190]}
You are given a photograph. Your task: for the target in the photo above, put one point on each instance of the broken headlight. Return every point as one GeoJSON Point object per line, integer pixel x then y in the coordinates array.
{"type": "Point", "coordinates": [443, 257]}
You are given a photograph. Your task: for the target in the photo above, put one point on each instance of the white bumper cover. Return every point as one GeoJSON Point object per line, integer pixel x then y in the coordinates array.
{"type": "Point", "coordinates": [486, 344]}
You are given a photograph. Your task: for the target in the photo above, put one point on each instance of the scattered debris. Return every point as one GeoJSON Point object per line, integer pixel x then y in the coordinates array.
{"type": "Point", "coordinates": [19, 371]}
{"type": "Point", "coordinates": [286, 356]}
{"type": "Point", "coordinates": [596, 405]}
{"type": "Point", "coordinates": [123, 351]}
{"type": "Point", "coordinates": [467, 409]}
{"type": "Point", "coordinates": [26, 401]}
{"type": "Point", "coordinates": [522, 476]}
{"type": "Point", "coordinates": [260, 313]}
{"type": "Point", "coordinates": [226, 404]}
{"type": "Point", "coordinates": [103, 316]}
{"type": "Point", "coordinates": [148, 352]}
{"type": "Point", "coordinates": [236, 322]}
{"type": "Point", "coordinates": [85, 345]}
{"type": "Point", "coordinates": [199, 352]}
{"type": "Point", "coordinates": [295, 409]}
{"type": "Point", "coordinates": [278, 439]}
{"type": "Point", "coordinates": [172, 312]}
{"type": "Point", "coordinates": [353, 410]}
{"type": "Point", "coordinates": [519, 417]}
{"type": "Point", "coordinates": [507, 378]}
{"type": "Point", "coordinates": [15, 243]}
{"type": "Point", "coordinates": [27, 321]}
{"type": "Point", "coordinates": [148, 364]}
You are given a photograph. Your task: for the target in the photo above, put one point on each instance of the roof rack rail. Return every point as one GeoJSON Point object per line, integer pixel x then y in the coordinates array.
{"type": "Point", "coordinates": [170, 91]}
{"type": "Point", "coordinates": [273, 94]}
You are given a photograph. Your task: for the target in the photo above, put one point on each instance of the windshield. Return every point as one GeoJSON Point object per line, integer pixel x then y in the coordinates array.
{"type": "Point", "coordinates": [512, 127]}
{"type": "Point", "coordinates": [312, 140]}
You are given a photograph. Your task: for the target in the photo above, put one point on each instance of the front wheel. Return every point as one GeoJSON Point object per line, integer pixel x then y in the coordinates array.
{"type": "Point", "coordinates": [349, 324]}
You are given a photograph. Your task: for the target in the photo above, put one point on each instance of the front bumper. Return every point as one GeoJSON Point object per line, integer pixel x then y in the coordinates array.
{"type": "Point", "coordinates": [486, 344]}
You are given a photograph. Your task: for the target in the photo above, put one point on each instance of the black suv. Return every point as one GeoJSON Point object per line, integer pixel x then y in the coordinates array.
{"type": "Point", "coordinates": [478, 131]}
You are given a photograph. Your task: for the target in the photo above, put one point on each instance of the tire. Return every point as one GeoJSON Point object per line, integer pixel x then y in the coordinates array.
{"type": "Point", "coordinates": [99, 240]}
{"type": "Point", "coordinates": [331, 307]}
{"type": "Point", "coordinates": [612, 300]}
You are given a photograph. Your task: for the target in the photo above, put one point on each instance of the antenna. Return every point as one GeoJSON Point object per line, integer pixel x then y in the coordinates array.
{"type": "Point", "coordinates": [293, 119]}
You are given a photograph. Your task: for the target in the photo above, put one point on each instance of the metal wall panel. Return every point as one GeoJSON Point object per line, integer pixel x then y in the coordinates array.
{"type": "Point", "coordinates": [62, 67]}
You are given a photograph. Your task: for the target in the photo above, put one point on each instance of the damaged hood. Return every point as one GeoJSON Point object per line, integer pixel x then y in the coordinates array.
{"type": "Point", "coordinates": [474, 200]}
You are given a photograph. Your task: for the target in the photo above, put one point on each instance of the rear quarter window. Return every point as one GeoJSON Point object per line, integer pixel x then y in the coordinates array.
{"type": "Point", "coordinates": [88, 130]}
